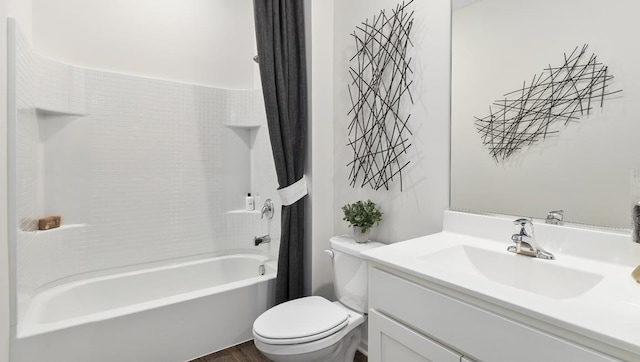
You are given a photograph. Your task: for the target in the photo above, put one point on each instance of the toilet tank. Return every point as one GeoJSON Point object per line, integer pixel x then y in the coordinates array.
{"type": "Point", "coordinates": [350, 279]}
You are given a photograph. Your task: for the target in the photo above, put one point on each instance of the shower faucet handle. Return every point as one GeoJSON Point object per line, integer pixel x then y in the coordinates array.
{"type": "Point", "coordinates": [267, 209]}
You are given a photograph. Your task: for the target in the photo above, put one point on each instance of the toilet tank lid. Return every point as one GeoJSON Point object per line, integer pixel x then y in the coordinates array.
{"type": "Point", "coordinates": [348, 245]}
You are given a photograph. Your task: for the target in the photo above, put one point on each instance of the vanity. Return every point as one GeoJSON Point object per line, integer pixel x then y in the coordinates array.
{"type": "Point", "coordinates": [459, 295]}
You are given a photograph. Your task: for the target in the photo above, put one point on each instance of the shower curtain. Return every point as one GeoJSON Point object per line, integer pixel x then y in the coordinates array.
{"type": "Point", "coordinates": [281, 54]}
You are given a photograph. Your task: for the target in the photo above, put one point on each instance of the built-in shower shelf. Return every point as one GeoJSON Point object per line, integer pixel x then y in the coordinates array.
{"type": "Point", "coordinates": [246, 132]}
{"type": "Point", "coordinates": [61, 229]}
{"type": "Point", "coordinates": [54, 112]}
{"type": "Point", "coordinates": [256, 212]}
{"type": "Point", "coordinates": [243, 126]}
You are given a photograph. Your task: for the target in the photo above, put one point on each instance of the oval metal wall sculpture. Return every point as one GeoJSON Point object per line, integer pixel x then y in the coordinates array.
{"type": "Point", "coordinates": [553, 99]}
{"type": "Point", "coordinates": [379, 71]}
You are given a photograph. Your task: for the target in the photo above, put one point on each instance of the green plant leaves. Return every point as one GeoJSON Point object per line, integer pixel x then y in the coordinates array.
{"type": "Point", "coordinates": [362, 214]}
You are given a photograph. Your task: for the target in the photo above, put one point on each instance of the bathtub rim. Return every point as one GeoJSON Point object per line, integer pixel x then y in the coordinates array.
{"type": "Point", "coordinates": [150, 265]}
{"type": "Point", "coordinates": [30, 327]}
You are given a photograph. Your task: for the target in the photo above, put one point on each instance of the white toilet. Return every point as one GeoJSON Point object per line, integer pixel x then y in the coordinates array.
{"type": "Point", "coordinates": [313, 328]}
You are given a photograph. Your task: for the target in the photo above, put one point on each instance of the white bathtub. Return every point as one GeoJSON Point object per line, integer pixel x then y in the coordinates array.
{"type": "Point", "coordinates": [170, 313]}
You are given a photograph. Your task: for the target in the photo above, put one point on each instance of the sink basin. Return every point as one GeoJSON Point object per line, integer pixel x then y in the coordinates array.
{"type": "Point", "coordinates": [543, 277]}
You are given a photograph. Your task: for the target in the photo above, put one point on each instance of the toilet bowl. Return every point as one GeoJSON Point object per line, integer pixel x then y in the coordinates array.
{"type": "Point", "coordinates": [308, 329]}
{"type": "Point", "coordinates": [313, 328]}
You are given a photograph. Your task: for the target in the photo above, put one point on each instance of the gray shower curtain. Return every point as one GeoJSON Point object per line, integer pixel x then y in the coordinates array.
{"type": "Point", "coordinates": [281, 53]}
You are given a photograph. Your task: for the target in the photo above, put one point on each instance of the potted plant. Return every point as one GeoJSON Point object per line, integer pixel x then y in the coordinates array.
{"type": "Point", "coordinates": [362, 216]}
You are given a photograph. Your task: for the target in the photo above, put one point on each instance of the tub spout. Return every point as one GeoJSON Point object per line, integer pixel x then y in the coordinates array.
{"type": "Point", "coordinates": [262, 239]}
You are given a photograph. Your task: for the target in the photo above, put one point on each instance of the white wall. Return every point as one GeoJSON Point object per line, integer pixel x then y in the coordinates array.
{"type": "Point", "coordinates": [4, 240]}
{"type": "Point", "coordinates": [586, 168]}
{"type": "Point", "coordinates": [321, 156]}
{"type": "Point", "coordinates": [418, 209]}
{"type": "Point", "coordinates": [21, 10]}
{"type": "Point", "coordinates": [207, 42]}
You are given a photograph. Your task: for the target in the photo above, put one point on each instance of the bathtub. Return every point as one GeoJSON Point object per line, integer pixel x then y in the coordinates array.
{"type": "Point", "coordinates": [167, 313]}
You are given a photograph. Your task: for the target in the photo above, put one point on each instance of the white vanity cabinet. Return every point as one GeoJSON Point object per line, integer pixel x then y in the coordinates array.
{"type": "Point", "coordinates": [411, 321]}
{"type": "Point", "coordinates": [390, 340]}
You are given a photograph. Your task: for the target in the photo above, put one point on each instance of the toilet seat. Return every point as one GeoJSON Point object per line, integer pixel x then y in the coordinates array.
{"type": "Point", "coordinates": [297, 352]}
{"type": "Point", "coordinates": [300, 321]}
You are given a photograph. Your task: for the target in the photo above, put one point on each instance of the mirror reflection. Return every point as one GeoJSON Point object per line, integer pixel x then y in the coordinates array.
{"type": "Point", "coordinates": [586, 164]}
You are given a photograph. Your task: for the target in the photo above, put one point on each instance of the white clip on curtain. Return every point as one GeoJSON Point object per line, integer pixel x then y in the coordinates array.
{"type": "Point", "coordinates": [294, 192]}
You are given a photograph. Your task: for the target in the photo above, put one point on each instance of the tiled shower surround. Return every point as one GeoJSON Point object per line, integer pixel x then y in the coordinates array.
{"type": "Point", "coordinates": [141, 171]}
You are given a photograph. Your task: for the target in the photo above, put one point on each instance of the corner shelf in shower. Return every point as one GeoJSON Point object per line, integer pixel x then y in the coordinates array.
{"type": "Point", "coordinates": [249, 127]}
{"type": "Point", "coordinates": [248, 212]}
{"type": "Point", "coordinates": [246, 132]}
{"type": "Point", "coordinates": [53, 112]}
{"type": "Point", "coordinates": [61, 229]}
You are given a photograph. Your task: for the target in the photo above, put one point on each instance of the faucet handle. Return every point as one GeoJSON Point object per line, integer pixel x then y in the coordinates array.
{"type": "Point", "coordinates": [267, 209]}
{"type": "Point", "coordinates": [555, 217]}
{"type": "Point", "coordinates": [522, 226]}
{"type": "Point", "coordinates": [522, 221]}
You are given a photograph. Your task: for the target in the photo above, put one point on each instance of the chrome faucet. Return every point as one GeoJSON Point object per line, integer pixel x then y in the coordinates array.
{"type": "Point", "coordinates": [262, 239]}
{"type": "Point", "coordinates": [555, 217]}
{"type": "Point", "coordinates": [267, 209]}
{"type": "Point", "coordinates": [525, 241]}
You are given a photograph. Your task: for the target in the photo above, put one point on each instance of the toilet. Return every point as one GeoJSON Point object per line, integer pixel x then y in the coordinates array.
{"type": "Point", "coordinates": [313, 328]}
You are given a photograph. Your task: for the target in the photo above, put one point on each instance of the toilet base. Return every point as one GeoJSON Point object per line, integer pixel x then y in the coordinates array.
{"type": "Point", "coordinates": [342, 351]}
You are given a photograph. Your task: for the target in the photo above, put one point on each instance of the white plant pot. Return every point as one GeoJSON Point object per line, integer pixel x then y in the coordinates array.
{"type": "Point", "coordinates": [361, 237]}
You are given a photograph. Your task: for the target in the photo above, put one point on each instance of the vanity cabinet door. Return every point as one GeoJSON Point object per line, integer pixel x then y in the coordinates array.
{"type": "Point", "coordinates": [390, 341]}
{"type": "Point", "coordinates": [472, 330]}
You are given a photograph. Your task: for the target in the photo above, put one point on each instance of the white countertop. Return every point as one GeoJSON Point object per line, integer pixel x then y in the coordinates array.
{"type": "Point", "coordinates": [608, 312]}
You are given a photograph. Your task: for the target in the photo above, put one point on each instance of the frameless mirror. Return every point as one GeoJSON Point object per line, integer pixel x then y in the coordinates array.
{"type": "Point", "coordinates": [585, 164]}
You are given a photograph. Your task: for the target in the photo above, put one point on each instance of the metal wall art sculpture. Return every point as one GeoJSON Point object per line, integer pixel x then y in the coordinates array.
{"type": "Point", "coordinates": [556, 97]}
{"type": "Point", "coordinates": [379, 70]}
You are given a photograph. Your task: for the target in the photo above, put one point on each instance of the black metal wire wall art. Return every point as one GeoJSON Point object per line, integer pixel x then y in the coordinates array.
{"type": "Point", "coordinates": [379, 72]}
{"type": "Point", "coordinates": [553, 99]}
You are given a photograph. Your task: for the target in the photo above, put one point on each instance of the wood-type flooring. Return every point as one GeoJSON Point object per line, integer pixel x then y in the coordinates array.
{"type": "Point", "coordinates": [247, 352]}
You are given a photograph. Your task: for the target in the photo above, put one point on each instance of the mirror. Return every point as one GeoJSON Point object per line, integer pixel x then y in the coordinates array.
{"type": "Point", "coordinates": [589, 167]}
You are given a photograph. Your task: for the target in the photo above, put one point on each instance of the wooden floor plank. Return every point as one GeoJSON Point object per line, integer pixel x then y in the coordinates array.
{"type": "Point", "coordinates": [247, 352]}
{"type": "Point", "coordinates": [251, 353]}
{"type": "Point", "coordinates": [359, 357]}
